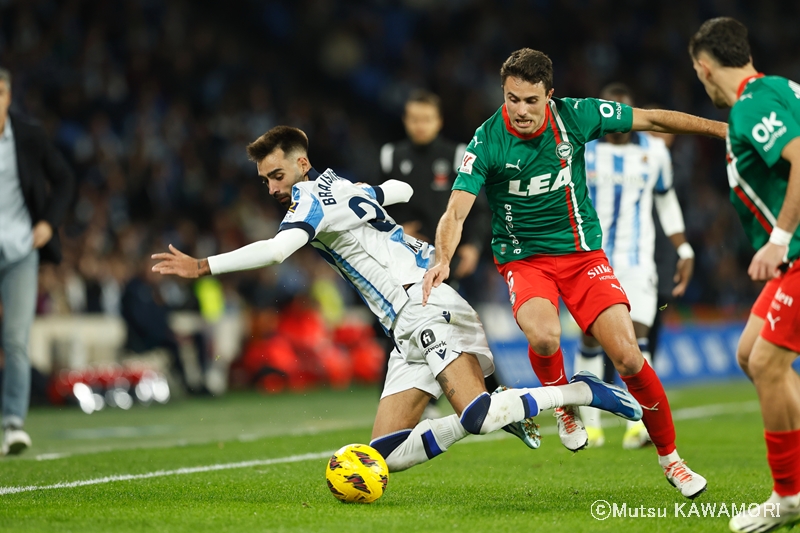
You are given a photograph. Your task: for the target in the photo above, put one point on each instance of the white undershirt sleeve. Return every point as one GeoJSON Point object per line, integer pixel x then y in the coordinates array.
{"type": "Point", "coordinates": [261, 253]}
{"type": "Point", "coordinates": [669, 212]}
{"type": "Point", "coordinates": [395, 192]}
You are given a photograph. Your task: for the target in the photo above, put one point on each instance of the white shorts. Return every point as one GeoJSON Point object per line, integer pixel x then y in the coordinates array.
{"type": "Point", "coordinates": [429, 338]}
{"type": "Point", "coordinates": [641, 287]}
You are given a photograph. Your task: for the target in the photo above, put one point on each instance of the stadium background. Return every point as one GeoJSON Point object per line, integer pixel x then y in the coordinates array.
{"type": "Point", "coordinates": [153, 102]}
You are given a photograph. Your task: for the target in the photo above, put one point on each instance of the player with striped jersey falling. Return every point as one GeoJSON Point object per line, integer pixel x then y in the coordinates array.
{"type": "Point", "coordinates": [438, 348]}
{"type": "Point", "coordinates": [547, 239]}
{"type": "Point", "coordinates": [627, 173]}
{"type": "Point", "coordinates": [763, 154]}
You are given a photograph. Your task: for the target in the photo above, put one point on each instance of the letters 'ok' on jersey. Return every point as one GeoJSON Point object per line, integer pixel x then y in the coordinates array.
{"type": "Point", "coordinates": [536, 184]}
{"type": "Point", "coordinates": [622, 179]}
{"type": "Point", "coordinates": [762, 122]}
{"type": "Point", "coordinates": [348, 227]}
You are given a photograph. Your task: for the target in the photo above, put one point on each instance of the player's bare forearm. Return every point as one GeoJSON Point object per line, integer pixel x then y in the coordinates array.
{"type": "Point", "coordinates": [677, 239]}
{"type": "Point", "coordinates": [685, 267]}
{"type": "Point", "coordinates": [663, 121]}
{"type": "Point", "coordinates": [448, 232]}
{"type": "Point", "coordinates": [448, 235]}
{"type": "Point", "coordinates": [202, 268]}
{"type": "Point", "coordinates": [789, 217]}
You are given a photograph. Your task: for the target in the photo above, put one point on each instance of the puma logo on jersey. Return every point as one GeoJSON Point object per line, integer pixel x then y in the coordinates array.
{"type": "Point", "coordinates": [540, 184]}
{"type": "Point", "coordinates": [772, 320]}
{"type": "Point", "coordinates": [618, 287]}
{"type": "Point", "coordinates": [475, 141]}
{"type": "Point", "coordinates": [509, 165]}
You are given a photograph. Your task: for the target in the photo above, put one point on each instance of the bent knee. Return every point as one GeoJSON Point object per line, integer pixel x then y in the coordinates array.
{"type": "Point", "coordinates": [629, 363]}
{"type": "Point", "coordinates": [764, 368]}
{"type": "Point", "coordinates": [543, 340]}
{"type": "Point", "coordinates": [743, 358]}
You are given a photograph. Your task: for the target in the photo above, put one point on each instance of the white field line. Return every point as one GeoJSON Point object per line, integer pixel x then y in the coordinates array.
{"type": "Point", "coordinates": [679, 414]}
{"type": "Point", "coordinates": [164, 473]}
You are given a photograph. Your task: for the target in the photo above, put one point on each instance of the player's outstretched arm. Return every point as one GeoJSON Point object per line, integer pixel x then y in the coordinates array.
{"type": "Point", "coordinates": [448, 235]}
{"type": "Point", "coordinates": [675, 122]}
{"type": "Point", "coordinates": [765, 263]}
{"type": "Point", "coordinates": [256, 255]}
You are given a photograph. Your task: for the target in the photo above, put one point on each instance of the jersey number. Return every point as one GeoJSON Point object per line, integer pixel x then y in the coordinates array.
{"type": "Point", "coordinates": [378, 221]}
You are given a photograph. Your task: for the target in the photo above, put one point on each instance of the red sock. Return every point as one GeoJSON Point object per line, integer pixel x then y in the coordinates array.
{"type": "Point", "coordinates": [548, 368]}
{"type": "Point", "coordinates": [784, 461]}
{"type": "Point", "coordinates": [648, 391]}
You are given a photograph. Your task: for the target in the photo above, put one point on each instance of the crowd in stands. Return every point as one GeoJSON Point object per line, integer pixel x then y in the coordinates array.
{"type": "Point", "coordinates": [154, 101]}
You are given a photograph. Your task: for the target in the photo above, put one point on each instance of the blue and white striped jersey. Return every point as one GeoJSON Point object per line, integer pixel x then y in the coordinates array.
{"type": "Point", "coordinates": [350, 229]}
{"type": "Point", "coordinates": [622, 179]}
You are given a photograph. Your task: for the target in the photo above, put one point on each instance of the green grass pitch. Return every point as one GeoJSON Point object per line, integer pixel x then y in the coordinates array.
{"type": "Point", "coordinates": [490, 484]}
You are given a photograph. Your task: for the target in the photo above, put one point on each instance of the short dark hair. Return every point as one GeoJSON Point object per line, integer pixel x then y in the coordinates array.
{"type": "Point", "coordinates": [421, 96]}
{"type": "Point", "coordinates": [286, 138]}
{"type": "Point", "coordinates": [616, 91]}
{"type": "Point", "coordinates": [528, 65]}
{"type": "Point", "coordinates": [724, 39]}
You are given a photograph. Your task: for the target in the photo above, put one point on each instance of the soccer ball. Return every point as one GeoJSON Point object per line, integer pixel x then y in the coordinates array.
{"type": "Point", "coordinates": [357, 473]}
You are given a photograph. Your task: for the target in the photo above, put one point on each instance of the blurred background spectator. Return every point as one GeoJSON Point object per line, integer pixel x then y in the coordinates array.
{"type": "Point", "coordinates": [153, 103]}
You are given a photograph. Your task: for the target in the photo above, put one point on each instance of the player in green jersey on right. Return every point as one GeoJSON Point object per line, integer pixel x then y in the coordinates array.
{"type": "Point", "coordinates": [547, 239]}
{"type": "Point", "coordinates": [763, 154]}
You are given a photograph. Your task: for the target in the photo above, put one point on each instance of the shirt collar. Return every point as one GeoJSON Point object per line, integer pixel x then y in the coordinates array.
{"type": "Point", "coordinates": [312, 174]}
{"type": "Point", "coordinates": [515, 133]}
{"type": "Point", "coordinates": [744, 83]}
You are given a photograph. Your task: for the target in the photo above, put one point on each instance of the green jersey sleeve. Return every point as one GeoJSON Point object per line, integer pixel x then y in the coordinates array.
{"type": "Point", "coordinates": [594, 118]}
{"type": "Point", "coordinates": [766, 124]}
{"type": "Point", "coordinates": [474, 168]}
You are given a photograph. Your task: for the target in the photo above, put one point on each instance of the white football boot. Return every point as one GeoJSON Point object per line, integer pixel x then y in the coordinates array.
{"type": "Point", "coordinates": [570, 428]}
{"type": "Point", "coordinates": [775, 513]}
{"type": "Point", "coordinates": [690, 483]}
{"type": "Point", "coordinates": [15, 441]}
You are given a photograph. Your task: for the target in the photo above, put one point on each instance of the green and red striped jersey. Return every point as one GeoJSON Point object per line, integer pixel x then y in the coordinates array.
{"type": "Point", "coordinates": [762, 121]}
{"type": "Point", "coordinates": [536, 184]}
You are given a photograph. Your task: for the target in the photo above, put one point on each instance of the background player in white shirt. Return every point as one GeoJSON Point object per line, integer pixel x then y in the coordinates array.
{"type": "Point", "coordinates": [438, 348]}
{"type": "Point", "coordinates": [626, 173]}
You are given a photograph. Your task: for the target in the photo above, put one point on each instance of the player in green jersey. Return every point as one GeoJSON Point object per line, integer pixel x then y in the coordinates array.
{"type": "Point", "coordinates": [763, 154]}
{"type": "Point", "coordinates": [547, 240]}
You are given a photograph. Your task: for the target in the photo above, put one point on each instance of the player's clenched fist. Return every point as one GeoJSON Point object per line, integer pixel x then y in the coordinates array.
{"type": "Point", "coordinates": [433, 278]}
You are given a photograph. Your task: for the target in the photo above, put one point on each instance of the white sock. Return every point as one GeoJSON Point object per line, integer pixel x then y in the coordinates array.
{"type": "Point", "coordinates": [513, 405]}
{"type": "Point", "coordinates": [665, 460]}
{"type": "Point", "coordinates": [793, 500]}
{"type": "Point", "coordinates": [506, 407]}
{"type": "Point", "coordinates": [427, 440]}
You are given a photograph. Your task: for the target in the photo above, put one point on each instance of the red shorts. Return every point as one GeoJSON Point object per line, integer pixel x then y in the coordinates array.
{"type": "Point", "coordinates": [584, 280]}
{"type": "Point", "coordinates": [779, 305]}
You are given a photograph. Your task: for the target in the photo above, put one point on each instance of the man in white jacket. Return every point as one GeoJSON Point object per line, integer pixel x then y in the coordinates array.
{"type": "Point", "coordinates": [440, 347]}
